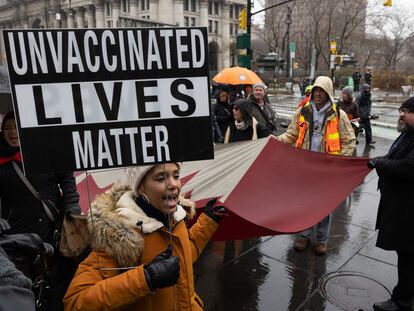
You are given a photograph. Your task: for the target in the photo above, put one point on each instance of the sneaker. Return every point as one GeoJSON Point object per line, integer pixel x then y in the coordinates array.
{"type": "Point", "coordinates": [388, 305]}
{"type": "Point", "coordinates": [321, 248]}
{"type": "Point", "coordinates": [301, 244]}
{"type": "Point", "coordinates": [372, 142]}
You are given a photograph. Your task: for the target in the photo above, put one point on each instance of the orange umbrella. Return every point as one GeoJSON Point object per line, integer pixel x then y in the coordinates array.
{"type": "Point", "coordinates": [236, 75]}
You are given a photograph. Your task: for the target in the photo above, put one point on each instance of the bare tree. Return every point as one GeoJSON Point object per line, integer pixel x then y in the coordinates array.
{"type": "Point", "coordinates": [393, 33]}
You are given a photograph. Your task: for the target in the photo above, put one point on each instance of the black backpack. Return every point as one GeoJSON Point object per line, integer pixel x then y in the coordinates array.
{"type": "Point", "coordinates": [30, 255]}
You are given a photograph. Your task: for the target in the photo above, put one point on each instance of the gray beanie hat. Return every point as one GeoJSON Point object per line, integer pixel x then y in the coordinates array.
{"type": "Point", "coordinates": [261, 84]}
{"type": "Point", "coordinates": [137, 173]}
{"type": "Point", "coordinates": [348, 91]}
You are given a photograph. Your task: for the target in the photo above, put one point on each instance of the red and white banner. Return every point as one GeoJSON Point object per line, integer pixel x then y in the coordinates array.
{"type": "Point", "coordinates": [268, 187]}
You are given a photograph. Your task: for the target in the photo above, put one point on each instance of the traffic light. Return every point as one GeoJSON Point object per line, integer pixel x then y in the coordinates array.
{"type": "Point", "coordinates": [243, 19]}
{"type": "Point", "coordinates": [332, 46]}
{"type": "Point", "coordinates": [387, 3]}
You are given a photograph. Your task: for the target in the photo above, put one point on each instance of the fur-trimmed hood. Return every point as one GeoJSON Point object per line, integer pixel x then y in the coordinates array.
{"type": "Point", "coordinates": [117, 224]}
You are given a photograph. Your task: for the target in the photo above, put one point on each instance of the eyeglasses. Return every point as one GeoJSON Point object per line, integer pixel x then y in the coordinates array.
{"type": "Point", "coordinates": [404, 110]}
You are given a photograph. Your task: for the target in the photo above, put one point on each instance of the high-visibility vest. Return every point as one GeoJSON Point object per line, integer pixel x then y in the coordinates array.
{"type": "Point", "coordinates": [332, 141]}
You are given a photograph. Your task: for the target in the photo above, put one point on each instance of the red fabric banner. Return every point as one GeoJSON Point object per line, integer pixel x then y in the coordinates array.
{"type": "Point", "coordinates": [268, 187]}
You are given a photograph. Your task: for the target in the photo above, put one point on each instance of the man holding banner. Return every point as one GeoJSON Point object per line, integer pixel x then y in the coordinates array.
{"type": "Point", "coordinates": [322, 127]}
{"type": "Point", "coordinates": [395, 217]}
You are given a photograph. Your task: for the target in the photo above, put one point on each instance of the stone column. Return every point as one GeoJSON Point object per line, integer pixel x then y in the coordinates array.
{"type": "Point", "coordinates": [64, 19]}
{"type": "Point", "coordinates": [134, 8]}
{"type": "Point", "coordinates": [153, 9]}
{"type": "Point", "coordinates": [225, 35]}
{"type": "Point", "coordinates": [115, 13]}
{"type": "Point", "coordinates": [22, 13]}
{"type": "Point", "coordinates": [203, 13]}
{"type": "Point", "coordinates": [99, 14]}
{"type": "Point", "coordinates": [164, 11]}
{"type": "Point", "coordinates": [70, 18]}
{"type": "Point", "coordinates": [179, 12]}
{"type": "Point", "coordinates": [80, 17]}
{"type": "Point", "coordinates": [90, 16]}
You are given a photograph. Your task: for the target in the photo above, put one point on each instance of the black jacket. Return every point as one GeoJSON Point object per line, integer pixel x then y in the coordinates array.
{"type": "Point", "coordinates": [24, 212]}
{"type": "Point", "coordinates": [224, 116]}
{"type": "Point", "coordinates": [395, 218]}
{"type": "Point", "coordinates": [266, 116]}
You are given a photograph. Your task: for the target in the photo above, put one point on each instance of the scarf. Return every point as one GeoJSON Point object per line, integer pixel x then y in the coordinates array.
{"type": "Point", "coordinates": [152, 212]}
{"type": "Point", "coordinates": [241, 125]}
{"type": "Point", "coordinates": [8, 154]}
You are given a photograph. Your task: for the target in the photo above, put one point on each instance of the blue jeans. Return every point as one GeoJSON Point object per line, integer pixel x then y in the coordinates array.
{"type": "Point", "coordinates": [323, 230]}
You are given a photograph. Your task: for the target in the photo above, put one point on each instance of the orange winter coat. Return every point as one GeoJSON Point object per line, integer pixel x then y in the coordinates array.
{"type": "Point", "coordinates": [124, 237]}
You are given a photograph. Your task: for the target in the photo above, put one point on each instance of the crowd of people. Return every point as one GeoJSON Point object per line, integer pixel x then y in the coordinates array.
{"type": "Point", "coordinates": [142, 246]}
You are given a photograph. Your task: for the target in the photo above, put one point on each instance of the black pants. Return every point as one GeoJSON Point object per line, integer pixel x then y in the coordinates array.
{"type": "Point", "coordinates": [403, 293]}
{"type": "Point", "coordinates": [57, 282]}
{"type": "Point", "coordinates": [366, 122]}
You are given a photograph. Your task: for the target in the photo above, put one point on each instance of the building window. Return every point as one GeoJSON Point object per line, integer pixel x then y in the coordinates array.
{"type": "Point", "coordinates": [186, 21]}
{"type": "Point", "coordinates": [108, 8]}
{"type": "Point", "coordinates": [231, 10]}
{"type": "Point", "coordinates": [210, 8]}
{"type": "Point", "coordinates": [109, 24]}
{"type": "Point", "coordinates": [193, 22]}
{"type": "Point", "coordinates": [126, 6]}
{"type": "Point", "coordinates": [216, 27]}
{"type": "Point", "coordinates": [236, 12]}
{"type": "Point", "coordinates": [193, 5]}
{"type": "Point", "coordinates": [231, 29]}
{"type": "Point", "coordinates": [236, 29]}
{"type": "Point", "coordinates": [210, 26]}
{"type": "Point", "coordinates": [144, 5]}
{"type": "Point", "coordinates": [216, 8]}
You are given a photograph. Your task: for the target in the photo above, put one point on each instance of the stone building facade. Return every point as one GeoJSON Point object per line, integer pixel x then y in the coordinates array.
{"type": "Point", "coordinates": [219, 16]}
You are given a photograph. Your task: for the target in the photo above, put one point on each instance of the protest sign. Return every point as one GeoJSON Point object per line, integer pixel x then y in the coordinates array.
{"type": "Point", "coordinates": [101, 98]}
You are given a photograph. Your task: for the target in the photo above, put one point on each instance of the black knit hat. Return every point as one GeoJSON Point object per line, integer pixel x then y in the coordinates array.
{"type": "Point", "coordinates": [408, 104]}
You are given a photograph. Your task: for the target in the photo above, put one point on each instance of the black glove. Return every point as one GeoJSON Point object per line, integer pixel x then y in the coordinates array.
{"type": "Point", "coordinates": [373, 162]}
{"type": "Point", "coordinates": [4, 225]}
{"type": "Point", "coordinates": [214, 212]}
{"type": "Point", "coordinates": [163, 270]}
{"type": "Point", "coordinates": [73, 209]}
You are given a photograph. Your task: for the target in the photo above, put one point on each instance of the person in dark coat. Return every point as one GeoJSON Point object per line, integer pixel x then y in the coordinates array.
{"type": "Point", "coordinates": [395, 218]}
{"type": "Point", "coordinates": [347, 103]}
{"type": "Point", "coordinates": [356, 77]}
{"type": "Point", "coordinates": [222, 111]}
{"type": "Point", "coordinates": [364, 103]}
{"type": "Point", "coordinates": [368, 77]}
{"type": "Point", "coordinates": [245, 126]}
{"type": "Point", "coordinates": [261, 109]}
{"type": "Point", "coordinates": [26, 214]}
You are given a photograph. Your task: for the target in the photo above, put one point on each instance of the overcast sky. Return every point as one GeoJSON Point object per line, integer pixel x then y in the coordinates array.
{"type": "Point", "coordinates": [407, 5]}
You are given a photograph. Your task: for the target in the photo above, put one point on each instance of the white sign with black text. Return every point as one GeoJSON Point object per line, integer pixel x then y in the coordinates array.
{"type": "Point", "coordinates": [101, 98]}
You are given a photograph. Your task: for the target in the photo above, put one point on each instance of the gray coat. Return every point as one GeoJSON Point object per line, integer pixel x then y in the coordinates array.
{"type": "Point", "coordinates": [364, 102]}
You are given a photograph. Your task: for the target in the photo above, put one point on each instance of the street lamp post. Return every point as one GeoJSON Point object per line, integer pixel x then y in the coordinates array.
{"type": "Point", "coordinates": [249, 22]}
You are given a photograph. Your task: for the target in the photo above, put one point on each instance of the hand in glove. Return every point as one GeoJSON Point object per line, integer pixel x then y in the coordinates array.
{"type": "Point", "coordinates": [4, 225]}
{"type": "Point", "coordinates": [73, 209]}
{"type": "Point", "coordinates": [215, 212]}
{"type": "Point", "coordinates": [373, 162]}
{"type": "Point", "coordinates": [163, 270]}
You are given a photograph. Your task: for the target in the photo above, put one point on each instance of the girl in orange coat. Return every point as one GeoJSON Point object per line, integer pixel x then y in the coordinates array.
{"type": "Point", "coordinates": [143, 251]}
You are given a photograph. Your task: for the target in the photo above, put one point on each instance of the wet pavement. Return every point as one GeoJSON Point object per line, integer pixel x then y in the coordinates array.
{"type": "Point", "coordinates": [267, 274]}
